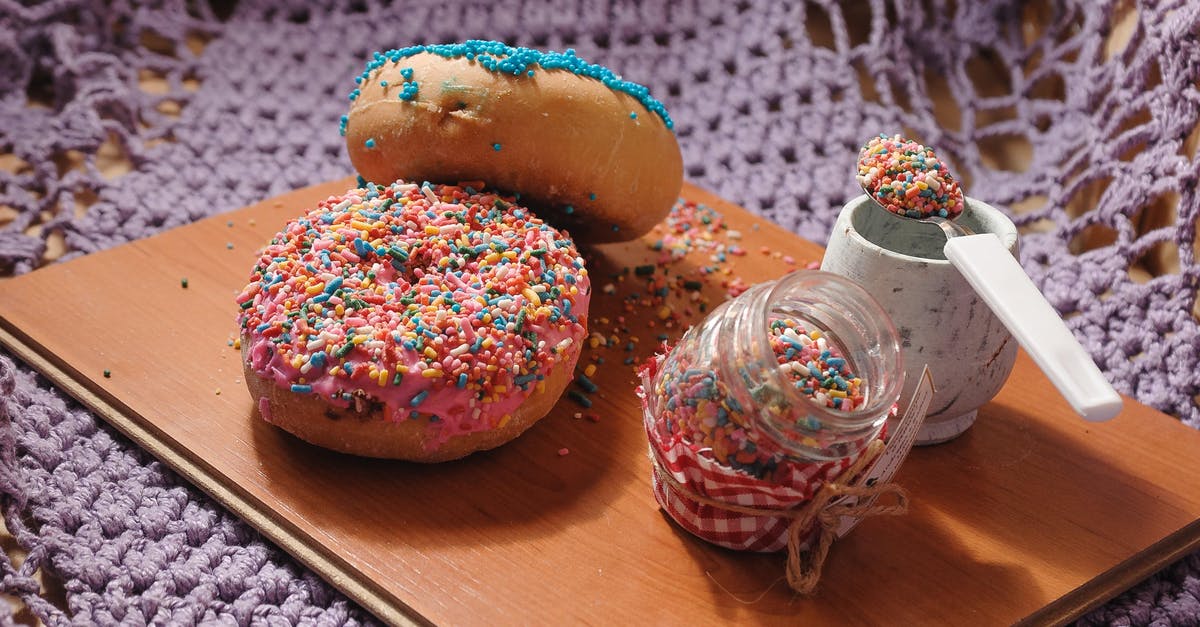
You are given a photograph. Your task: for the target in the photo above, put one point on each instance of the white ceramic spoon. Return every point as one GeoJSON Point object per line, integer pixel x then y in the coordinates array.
{"type": "Point", "coordinates": [1001, 282]}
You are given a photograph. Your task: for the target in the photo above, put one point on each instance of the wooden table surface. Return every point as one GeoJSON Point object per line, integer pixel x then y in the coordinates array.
{"type": "Point", "coordinates": [1032, 514]}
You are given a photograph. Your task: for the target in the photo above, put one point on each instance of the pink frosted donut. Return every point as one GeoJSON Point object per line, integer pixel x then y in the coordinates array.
{"type": "Point", "coordinates": [419, 322]}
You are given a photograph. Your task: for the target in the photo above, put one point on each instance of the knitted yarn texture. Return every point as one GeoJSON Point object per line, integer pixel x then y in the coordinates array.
{"type": "Point", "coordinates": [1079, 118]}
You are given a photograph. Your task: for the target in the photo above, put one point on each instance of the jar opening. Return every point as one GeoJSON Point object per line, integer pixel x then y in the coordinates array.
{"type": "Point", "coordinates": [839, 369]}
{"type": "Point", "coordinates": [735, 384]}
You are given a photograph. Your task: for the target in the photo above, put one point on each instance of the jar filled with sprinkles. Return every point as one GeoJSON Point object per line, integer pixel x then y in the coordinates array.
{"type": "Point", "coordinates": [776, 393]}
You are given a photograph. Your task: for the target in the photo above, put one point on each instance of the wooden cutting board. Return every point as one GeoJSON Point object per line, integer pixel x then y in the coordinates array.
{"type": "Point", "coordinates": [1032, 514]}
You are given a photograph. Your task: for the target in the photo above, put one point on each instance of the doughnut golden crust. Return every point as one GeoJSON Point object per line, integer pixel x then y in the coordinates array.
{"type": "Point", "coordinates": [583, 154]}
{"type": "Point", "coordinates": [418, 322]}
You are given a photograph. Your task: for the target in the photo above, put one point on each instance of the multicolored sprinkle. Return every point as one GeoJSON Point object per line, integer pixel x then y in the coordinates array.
{"type": "Point", "coordinates": [692, 267]}
{"type": "Point", "coordinates": [699, 405]}
{"type": "Point", "coordinates": [814, 366]}
{"type": "Point", "coordinates": [438, 297]}
{"type": "Point", "coordinates": [908, 179]}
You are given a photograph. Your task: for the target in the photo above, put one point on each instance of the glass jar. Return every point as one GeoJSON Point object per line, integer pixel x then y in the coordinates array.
{"type": "Point", "coordinates": [773, 393]}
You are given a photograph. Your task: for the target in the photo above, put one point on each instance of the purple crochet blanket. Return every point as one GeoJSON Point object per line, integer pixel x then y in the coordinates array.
{"type": "Point", "coordinates": [120, 120]}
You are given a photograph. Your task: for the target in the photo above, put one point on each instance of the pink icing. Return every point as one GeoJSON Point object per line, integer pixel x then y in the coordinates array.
{"type": "Point", "coordinates": [513, 268]}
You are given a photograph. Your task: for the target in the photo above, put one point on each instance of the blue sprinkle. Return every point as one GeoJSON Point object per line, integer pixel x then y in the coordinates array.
{"type": "Point", "coordinates": [586, 383]}
{"type": "Point", "coordinates": [370, 143]}
{"type": "Point", "coordinates": [419, 398]}
{"type": "Point", "coordinates": [794, 343]}
{"type": "Point", "coordinates": [501, 58]}
{"type": "Point", "coordinates": [496, 147]}
{"type": "Point", "coordinates": [408, 91]}
{"type": "Point", "coordinates": [581, 398]}
{"type": "Point", "coordinates": [301, 389]}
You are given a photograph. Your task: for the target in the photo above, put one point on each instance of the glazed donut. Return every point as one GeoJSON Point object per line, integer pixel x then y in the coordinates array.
{"type": "Point", "coordinates": [418, 322]}
{"type": "Point", "coordinates": [584, 149]}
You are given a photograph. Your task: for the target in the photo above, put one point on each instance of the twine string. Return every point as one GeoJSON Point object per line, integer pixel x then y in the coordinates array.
{"type": "Point", "coordinates": [848, 495]}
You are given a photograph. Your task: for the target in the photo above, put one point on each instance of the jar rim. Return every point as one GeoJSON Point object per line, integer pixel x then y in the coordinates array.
{"type": "Point", "coordinates": [860, 212]}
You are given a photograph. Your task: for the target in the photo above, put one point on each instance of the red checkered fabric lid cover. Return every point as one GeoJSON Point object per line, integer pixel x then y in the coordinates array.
{"type": "Point", "coordinates": [694, 468]}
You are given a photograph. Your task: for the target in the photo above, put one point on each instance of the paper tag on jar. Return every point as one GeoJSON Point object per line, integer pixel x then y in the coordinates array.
{"type": "Point", "coordinates": [899, 443]}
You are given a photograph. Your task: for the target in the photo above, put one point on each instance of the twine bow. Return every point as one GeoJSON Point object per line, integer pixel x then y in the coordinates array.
{"type": "Point", "coordinates": [824, 511]}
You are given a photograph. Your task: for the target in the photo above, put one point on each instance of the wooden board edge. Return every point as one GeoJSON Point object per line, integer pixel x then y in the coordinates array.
{"type": "Point", "coordinates": [1120, 578]}
{"type": "Point", "coordinates": [391, 611]}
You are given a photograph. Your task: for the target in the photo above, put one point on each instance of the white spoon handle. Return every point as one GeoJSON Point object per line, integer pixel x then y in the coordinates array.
{"type": "Point", "coordinates": [1000, 281]}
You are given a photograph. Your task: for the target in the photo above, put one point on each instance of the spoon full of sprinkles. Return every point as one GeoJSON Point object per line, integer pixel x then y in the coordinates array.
{"type": "Point", "coordinates": [906, 179]}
